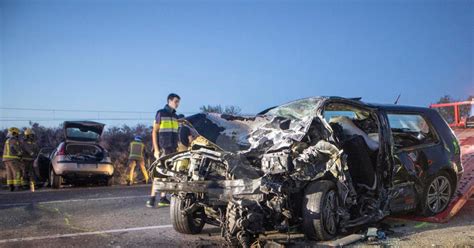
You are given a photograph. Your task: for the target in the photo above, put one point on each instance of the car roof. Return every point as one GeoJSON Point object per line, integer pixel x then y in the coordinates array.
{"type": "Point", "coordinates": [399, 108]}
{"type": "Point", "coordinates": [386, 107]}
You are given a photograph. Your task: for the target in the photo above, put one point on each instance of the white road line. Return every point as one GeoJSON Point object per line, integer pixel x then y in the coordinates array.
{"type": "Point", "coordinates": [74, 200]}
{"type": "Point", "coordinates": [69, 235]}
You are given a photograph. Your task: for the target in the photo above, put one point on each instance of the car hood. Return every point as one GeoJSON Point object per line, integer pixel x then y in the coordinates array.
{"type": "Point", "coordinates": [263, 133]}
{"type": "Point", "coordinates": [86, 131]}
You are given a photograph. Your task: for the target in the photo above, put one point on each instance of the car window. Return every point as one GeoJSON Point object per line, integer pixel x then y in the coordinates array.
{"type": "Point", "coordinates": [331, 114]}
{"type": "Point", "coordinates": [77, 133]}
{"type": "Point", "coordinates": [410, 130]}
{"type": "Point", "coordinates": [296, 110]}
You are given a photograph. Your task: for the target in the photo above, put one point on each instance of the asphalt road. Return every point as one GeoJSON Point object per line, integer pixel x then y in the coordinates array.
{"type": "Point", "coordinates": [117, 217]}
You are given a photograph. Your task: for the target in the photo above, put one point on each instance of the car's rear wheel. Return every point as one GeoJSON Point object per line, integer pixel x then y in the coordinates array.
{"type": "Point", "coordinates": [110, 181]}
{"type": "Point", "coordinates": [54, 179]}
{"type": "Point", "coordinates": [437, 194]}
{"type": "Point", "coordinates": [190, 223]}
{"type": "Point", "coordinates": [320, 219]}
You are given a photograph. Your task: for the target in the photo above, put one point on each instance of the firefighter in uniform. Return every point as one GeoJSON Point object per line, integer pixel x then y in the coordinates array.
{"type": "Point", "coordinates": [30, 148]}
{"type": "Point", "coordinates": [12, 153]}
{"type": "Point", "coordinates": [165, 139]}
{"type": "Point", "coordinates": [136, 156]}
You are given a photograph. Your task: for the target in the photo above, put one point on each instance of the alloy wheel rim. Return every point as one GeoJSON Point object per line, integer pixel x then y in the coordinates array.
{"type": "Point", "coordinates": [438, 194]}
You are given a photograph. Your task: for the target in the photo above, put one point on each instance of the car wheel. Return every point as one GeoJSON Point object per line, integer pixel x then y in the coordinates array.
{"type": "Point", "coordinates": [437, 194]}
{"type": "Point", "coordinates": [55, 180]}
{"type": "Point", "coordinates": [320, 203]}
{"type": "Point", "coordinates": [110, 181]}
{"type": "Point", "coordinates": [186, 223]}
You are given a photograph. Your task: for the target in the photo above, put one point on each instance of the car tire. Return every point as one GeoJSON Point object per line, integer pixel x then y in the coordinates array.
{"type": "Point", "coordinates": [320, 219]}
{"type": "Point", "coordinates": [54, 180]}
{"type": "Point", "coordinates": [437, 194]}
{"type": "Point", "coordinates": [186, 223]}
{"type": "Point", "coordinates": [110, 181]}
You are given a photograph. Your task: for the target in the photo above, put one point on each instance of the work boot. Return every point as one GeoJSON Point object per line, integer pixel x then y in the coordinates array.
{"type": "Point", "coordinates": [163, 202]}
{"type": "Point", "coordinates": [128, 183]}
{"type": "Point", "coordinates": [151, 202]}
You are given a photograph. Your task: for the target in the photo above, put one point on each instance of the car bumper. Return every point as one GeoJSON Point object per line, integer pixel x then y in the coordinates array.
{"type": "Point", "coordinates": [65, 168]}
{"type": "Point", "coordinates": [222, 190]}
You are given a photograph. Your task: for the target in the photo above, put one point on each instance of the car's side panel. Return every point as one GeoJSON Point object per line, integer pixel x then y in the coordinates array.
{"type": "Point", "coordinates": [450, 147]}
{"type": "Point", "coordinates": [413, 165]}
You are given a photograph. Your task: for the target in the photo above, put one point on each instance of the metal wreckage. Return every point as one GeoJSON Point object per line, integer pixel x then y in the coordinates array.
{"type": "Point", "coordinates": [282, 170]}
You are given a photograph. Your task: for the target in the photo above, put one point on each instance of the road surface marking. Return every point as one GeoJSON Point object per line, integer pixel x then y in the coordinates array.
{"type": "Point", "coordinates": [69, 235]}
{"type": "Point", "coordinates": [74, 200]}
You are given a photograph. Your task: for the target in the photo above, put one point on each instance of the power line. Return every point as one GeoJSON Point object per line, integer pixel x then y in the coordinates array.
{"type": "Point", "coordinates": [75, 110]}
{"type": "Point", "coordinates": [75, 119]}
{"type": "Point", "coordinates": [84, 110]}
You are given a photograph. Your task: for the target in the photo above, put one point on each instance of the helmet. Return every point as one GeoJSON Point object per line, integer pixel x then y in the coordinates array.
{"type": "Point", "coordinates": [14, 131]}
{"type": "Point", "coordinates": [138, 138]}
{"type": "Point", "coordinates": [28, 132]}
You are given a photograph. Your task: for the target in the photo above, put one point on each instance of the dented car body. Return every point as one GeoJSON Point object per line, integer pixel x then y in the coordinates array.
{"type": "Point", "coordinates": [320, 165]}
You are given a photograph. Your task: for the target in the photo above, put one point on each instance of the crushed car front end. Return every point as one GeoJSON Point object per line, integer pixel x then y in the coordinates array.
{"type": "Point", "coordinates": [290, 165]}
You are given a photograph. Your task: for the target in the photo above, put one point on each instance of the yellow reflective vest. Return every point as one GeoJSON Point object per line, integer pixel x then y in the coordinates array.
{"type": "Point", "coordinates": [137, 150]}
{"type": "Point", "coordinates": [12, 149]}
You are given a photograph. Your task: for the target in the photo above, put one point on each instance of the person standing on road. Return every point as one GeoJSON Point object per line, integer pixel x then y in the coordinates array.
{"type": "Point", "coordinates": [136, 156]}
{"type": "Point", "coordinates": [12, 153]}
{"type": "Point", "coordinates": [30, 148]}
{"type": "Point", "coordinates": [165, 139]}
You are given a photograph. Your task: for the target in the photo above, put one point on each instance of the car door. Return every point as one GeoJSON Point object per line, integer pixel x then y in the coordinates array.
{"type": "Point", "coordinates": [415, 145]}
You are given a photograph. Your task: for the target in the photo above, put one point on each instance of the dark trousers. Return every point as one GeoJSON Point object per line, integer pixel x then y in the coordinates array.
{"type": "Point", "coordinates": [28, 175]}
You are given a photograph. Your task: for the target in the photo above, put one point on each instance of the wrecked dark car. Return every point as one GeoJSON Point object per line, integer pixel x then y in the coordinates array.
{"type": "Point", "coordinates": [319, 165]}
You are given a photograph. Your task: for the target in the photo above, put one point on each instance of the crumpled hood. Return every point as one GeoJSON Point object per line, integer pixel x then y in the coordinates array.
{"type": "Point", "coordinates": [267, 133]}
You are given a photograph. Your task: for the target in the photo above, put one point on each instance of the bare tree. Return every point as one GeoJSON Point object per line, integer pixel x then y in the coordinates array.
{"type": "Point", "coordinates": [230, 109]}
{"type": "Point", "coordinates": [211, 109]}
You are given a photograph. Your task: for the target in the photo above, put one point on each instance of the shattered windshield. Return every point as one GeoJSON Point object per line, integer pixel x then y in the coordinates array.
{"type": "Point", "coordinates": [296, 110]}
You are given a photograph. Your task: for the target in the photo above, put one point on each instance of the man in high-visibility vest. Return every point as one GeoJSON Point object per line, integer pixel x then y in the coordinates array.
{"type": "Point", "coordinates": [12, 153]}
{"type": "Point", "coordinates": [136, 156]}
{"type": "Point", "coordinates": [30, 148]}
{"type": "Point", "coordinates": [165, 140]}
